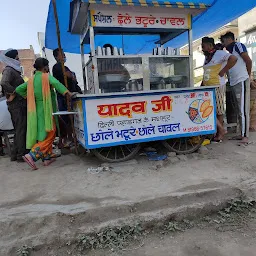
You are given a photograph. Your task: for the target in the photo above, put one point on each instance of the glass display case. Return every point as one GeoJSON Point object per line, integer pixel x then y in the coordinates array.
{"type": "Point", "coordinates": [168, 72]}
{"type": "Point", "coordinates": [137, 73]}
{"type": "Point", "coordinates": [120, 74]}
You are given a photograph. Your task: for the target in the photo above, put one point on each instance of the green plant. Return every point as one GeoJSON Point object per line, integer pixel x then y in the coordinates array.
{"type": "Point", "coordinates": [233, 216]}
{"type": "Point", "coordinates": [173, 226]}
{"type": "Point", "coordinates": [113, 238]}
{"type": "Point", "coordinates": [236, 206]}
{"type": "Point", "coordinates": [24, 251]}
{"type": "Point", "coordinates": [234, 210]}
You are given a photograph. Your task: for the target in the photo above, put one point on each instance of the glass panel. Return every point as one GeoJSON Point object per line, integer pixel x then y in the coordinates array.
{"type": "Point", "coordinates": [168, 72]}
{"type": "Point", "coordinates": [120, 74]}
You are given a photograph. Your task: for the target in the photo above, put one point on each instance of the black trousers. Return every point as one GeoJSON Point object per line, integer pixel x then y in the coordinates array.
{"type": "Point", "coordinates": [19, 120]}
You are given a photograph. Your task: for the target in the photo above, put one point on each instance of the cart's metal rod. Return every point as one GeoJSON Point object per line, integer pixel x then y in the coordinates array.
{"type": "Point", "coordinates": [63, 70]}
{"type": "Point", "coordinates": [60, 48]}
{"type": "Point", "coordinates": [83, 68]}
{"type": "Point", "coordinates": [190, 45]}
{"type": "Point", "coordinates": [85, 31]}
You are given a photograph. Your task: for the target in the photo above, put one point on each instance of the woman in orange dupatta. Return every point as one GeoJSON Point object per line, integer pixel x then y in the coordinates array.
{"type": "Point", "coordinates": [41, 101]}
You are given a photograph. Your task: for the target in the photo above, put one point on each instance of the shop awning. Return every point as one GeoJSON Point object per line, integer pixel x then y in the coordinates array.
{"type": "Point", "coordinates": [160, 3]}
{"type": "Point", "coordinates": [220, 13]}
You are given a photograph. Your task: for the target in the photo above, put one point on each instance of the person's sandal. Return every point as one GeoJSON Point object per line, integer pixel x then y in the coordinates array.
{"type": "Point", "coordinates": [217, 141]}
{"type": "Point", "coordinates": [48, 162]}
{"type": "Point", "coordinates": [32, 165]}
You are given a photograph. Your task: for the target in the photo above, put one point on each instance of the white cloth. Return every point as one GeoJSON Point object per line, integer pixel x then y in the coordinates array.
{"type": "Point", "coordinates": [213, 67]}
{"type": "Point", "coordinates": [5, 117]}
{"type": "Point", "coordinates": [238, 73]}
{"type": "Point", "coordinates": [9, 61]}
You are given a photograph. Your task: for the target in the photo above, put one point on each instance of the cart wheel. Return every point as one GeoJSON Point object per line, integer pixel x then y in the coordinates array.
{"type": "Point", "coordinates": [186, 145]}
{"type": "Point", "coordinates": [118, 153]}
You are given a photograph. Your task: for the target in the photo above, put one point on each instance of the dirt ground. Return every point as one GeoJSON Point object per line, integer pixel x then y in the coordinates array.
{"type": "Point", "coordinates": [67, 187]}
{"type": "Point", "coordinates": [236, 238]}
{"type": "Point", "coordinates": [221, 234]}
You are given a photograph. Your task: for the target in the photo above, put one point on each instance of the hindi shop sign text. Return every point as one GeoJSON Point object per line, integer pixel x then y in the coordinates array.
{"type": "Point", "coordinates": [124, 120]}
{"type": "Point", "coordinates": [127, 19]}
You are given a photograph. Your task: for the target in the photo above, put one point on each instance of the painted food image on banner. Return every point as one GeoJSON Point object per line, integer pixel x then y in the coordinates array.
{"type": "Point", "coordinates": [200, 110]}
{"type": "Point", "coordinates": [119, 120]}
{"type": "Point", "coordinates": [79, 121]}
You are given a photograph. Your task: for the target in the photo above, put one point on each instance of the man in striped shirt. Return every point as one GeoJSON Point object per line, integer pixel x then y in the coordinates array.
{"type": "Point", "coordinates": [239, 77]}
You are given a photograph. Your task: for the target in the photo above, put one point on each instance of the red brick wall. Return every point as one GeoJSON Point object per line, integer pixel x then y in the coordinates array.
{"type": "Point", "coordinates": [28, 68]}
{"type": "Point", "coordinates": [1, 67]}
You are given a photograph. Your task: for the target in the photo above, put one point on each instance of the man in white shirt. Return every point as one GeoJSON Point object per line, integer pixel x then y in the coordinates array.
{"type": "Point", "coordinates": [217, 64]}
{"type": "Point", "coordinates": [240, 82]}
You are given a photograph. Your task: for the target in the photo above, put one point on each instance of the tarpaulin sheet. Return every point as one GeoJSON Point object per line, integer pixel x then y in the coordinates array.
{"type": "Point", "coordinates": [220, 13]}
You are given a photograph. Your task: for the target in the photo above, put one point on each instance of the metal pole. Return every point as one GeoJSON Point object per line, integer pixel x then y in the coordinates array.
{"type": "Point", "coordinates": [60, 48]}
{"type": "Point", "coordinates": [190, 45]}
{"type": "Point", "coordinates": [83, 66]}
{"type": "Point", "coordinates": [85, 31]}
{"type": "Point", "coordinates": [92, 45]}
{"type": "Point", "coordinates": [64, 70]}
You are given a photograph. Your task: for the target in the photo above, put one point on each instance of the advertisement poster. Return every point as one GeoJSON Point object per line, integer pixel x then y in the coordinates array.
{"type": "Point", "coordinates": [140, 118]}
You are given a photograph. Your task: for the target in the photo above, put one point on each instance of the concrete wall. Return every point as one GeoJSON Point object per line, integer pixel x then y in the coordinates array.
{"type": "Point", "coordinates": [247, 21]}
{"type": "Point", "coordinates": [247, 33]}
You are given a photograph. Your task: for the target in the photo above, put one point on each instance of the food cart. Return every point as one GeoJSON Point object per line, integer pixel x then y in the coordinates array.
{"type": "Point", "coordinates": [136, 98]}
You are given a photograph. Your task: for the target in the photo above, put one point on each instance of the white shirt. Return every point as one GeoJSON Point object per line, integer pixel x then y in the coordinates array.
{"type": "Point", "coordinates": [238, 73]}
{"type": "Point", "coordinates": [212, 69]}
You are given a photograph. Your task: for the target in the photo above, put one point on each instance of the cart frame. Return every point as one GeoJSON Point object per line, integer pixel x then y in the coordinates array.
{"type": "Point", "coordinates": [82, 23]}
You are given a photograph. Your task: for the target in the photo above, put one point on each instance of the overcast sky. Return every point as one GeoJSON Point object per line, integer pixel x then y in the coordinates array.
{"type": "Point", "coordinates": [20, 21]}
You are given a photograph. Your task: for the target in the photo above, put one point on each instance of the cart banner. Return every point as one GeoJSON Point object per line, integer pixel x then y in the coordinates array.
{"type": "Point", "coordinates": [118, 120]}
{"type": "Point", "coordinates": [131, 19]}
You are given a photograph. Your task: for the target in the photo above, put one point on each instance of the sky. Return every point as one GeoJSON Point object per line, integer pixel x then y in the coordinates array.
{"type": "Point", "coordinates": [20, 21]}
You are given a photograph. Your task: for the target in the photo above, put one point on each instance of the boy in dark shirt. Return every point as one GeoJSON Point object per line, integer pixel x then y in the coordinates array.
{"type": "Point", "coordinates": [72, 87]}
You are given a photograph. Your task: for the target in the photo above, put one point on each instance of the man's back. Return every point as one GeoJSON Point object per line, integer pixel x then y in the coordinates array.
{"type": "Point", "coordinates": [239, 72]}
{"type": "Point", "coordinates": [58, 74]}
{"type": "Point", "coordinates": [11, 79]}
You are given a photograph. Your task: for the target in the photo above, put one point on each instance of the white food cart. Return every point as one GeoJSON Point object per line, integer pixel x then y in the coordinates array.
{"type": "Point", "coordinates": [137, 98]}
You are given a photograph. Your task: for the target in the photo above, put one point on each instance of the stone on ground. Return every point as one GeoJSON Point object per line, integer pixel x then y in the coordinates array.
{"type": "Point", "coordinates": [203, 150]}
{"type": "Point", "coordinates": [183, 158]}
{"type": "Point", "coordinates": [174, 160]}
{"type": "Point", "coordinates": [171, 154]}
{"type": "Point", "coordinates": [121, 164]}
